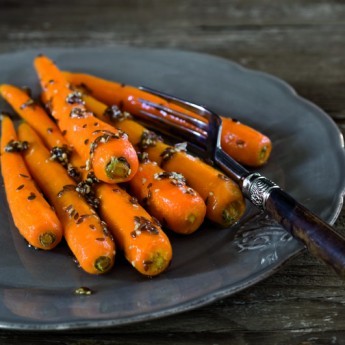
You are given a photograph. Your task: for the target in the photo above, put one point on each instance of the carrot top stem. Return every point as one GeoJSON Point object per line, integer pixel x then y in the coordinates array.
{"type": "Point", "coordinates": [103, 264]}
{"type": "Point", "coordinates": [47, 239]}
{"type": "Point", "coordinates": [118, 167]}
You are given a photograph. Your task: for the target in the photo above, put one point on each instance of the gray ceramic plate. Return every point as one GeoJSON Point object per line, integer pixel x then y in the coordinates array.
{"type": "Point", "coordinates": [37, 288]}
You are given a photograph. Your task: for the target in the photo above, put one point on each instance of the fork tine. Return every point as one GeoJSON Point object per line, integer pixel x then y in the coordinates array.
{"type": "Point", "coordinates": [198, 124]}
{"type": "Point", "coordinates": [195, 139]}
{"type": "Point", "coordinates": [209, 137]}
{"type": "Point", "coordinates": [186, 105]}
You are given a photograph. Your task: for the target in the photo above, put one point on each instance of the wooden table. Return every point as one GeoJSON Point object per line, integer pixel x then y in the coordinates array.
{"type": "Point", "coordinates": [301, 41]}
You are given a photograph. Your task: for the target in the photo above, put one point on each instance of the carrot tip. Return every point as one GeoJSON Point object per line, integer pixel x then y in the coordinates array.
{"type": "Point", "coordinates": [103, 264]}
{"type": "Point", "coordinates": [156, 264]}
{"type": "Point", "coordinates": [118, 168]}
{"type": "Point", "coordinates": [232, 213]}
{"type": "Point", "coordinates": [191, 218]}
{"type": "Point", "coordinates": [47, 239]}
{"type": "Point", "coordinates": [263, 154]}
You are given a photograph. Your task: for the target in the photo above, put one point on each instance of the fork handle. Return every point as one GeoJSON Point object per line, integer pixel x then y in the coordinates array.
{"type": "Point", "coordinates": [319, 237]}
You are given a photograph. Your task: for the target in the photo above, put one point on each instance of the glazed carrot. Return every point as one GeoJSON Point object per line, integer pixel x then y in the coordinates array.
{"type": "Point", "coordinates": [143, 242]}
{"type": "Point", "coordinates": [245, 144]}
{"type": "Point", "coordinates": [103, 147]}
{"type": "Point", "coordinates": [31, 213]}
{"type": "Point", "coordinates": [85, 234]}
{"type": "Point", "coordinates": [225, 202]}
{"type": "Point", "coordinates": [167, 197]}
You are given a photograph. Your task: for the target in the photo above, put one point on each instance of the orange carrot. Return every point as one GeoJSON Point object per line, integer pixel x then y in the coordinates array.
{"type": "Point", "coordinates": [245, 144]}
{"type": "Point", "coordinates": [224, 200]}
{"type": "Point", "coordinates": [143, 242]}
{"type": "Point", "coordinates": [86, 235]}
{"type": "Point", "coordinates": [167, 197]}
{"type": "Point", "coordinates": [31, 213]}
{"type": "Point", "coordinates": [103, 147]}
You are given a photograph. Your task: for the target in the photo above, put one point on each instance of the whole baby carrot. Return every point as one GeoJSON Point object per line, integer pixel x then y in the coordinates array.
{"type": "Point", "coordinates": [167, 197]}
{"type": "Point", "coordinates": [86, 235]}
{"type": "Point", "coordinates": [32, 215]}
{"type": "Point", "coordinates": [104, 148]}
{"type": "Point", "coordinates": [245, 144]}
{"type": "Point", "coordinates": [224, 201]}
{"type": "Point", "coordinates": [140, 236]}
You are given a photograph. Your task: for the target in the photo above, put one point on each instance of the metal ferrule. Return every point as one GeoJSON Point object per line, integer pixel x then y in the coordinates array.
{"type": "Point", "coordinates": [257, 189]}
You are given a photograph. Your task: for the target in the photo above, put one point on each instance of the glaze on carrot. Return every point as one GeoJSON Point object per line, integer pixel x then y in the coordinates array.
{"type": "Point", "coordinates": [32, 215]}
{"type": "Point", "coordinates": [245, 144]}
{"type": "Point", "coordinates": [167, 197]}
{"type": "Point", "coordinates": [224, 201]}
{"type": "Point", "coordinates": [86, 235]}
{"type": "Point", "coordinates": [104, 148]}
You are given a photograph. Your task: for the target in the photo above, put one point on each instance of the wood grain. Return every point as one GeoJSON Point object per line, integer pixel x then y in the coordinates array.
{"type": "Point", "coordinates": [302, 42]}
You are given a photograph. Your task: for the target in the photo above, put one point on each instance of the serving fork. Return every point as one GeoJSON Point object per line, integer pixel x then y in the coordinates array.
{"type": "Point", "coordinates": [204, 135]}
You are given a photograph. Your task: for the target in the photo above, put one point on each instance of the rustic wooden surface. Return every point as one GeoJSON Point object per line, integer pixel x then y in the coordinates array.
{"type": "Point", "coordinates": [301, 41]}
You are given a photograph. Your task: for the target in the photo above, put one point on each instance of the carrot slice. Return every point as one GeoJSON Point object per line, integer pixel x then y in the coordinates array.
{"type": "Point", "coordinates": [224, 200]}
{"type": "Point", "coordinates": [85, 234]}
{"type": "Point", "coordinates": [31, 213]}
{"type": "Point", "coordinates": [168, 198]}
{"type": "Point", "coordinates": [105, 148]}
{"type": "Point", "coordinates": [245, 144]}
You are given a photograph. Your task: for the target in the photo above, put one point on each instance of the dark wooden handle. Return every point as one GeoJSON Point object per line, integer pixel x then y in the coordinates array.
{"type": "Point", "coordinates": [318, 236]}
